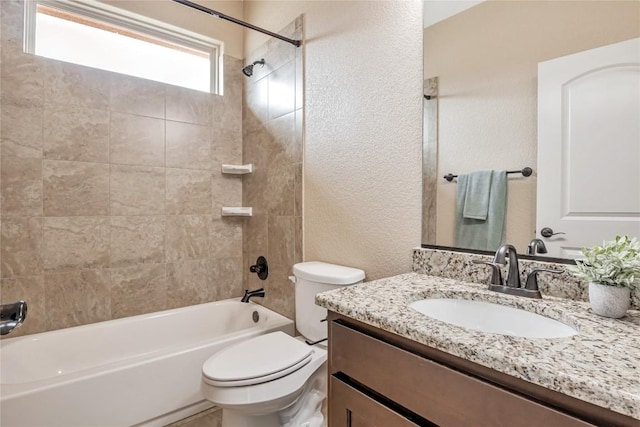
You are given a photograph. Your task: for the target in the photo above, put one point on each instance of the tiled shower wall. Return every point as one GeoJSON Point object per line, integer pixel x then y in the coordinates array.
{"type": "Point", "coordinates": [273, 142]}
{"type": "Point", "coordinates": [111, 189]}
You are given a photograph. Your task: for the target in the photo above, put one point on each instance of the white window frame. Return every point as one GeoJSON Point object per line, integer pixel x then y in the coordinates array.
{"type": "Point", "coordinates": [137, 23]}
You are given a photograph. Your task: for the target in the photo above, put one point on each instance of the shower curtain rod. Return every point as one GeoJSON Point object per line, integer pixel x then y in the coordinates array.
{"type": "Point", "coordinates": [193, 5]}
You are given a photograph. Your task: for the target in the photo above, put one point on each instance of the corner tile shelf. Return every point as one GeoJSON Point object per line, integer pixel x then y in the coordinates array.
{"type": "Point", "coordinates": [237, 211]}
{"type": "Point", "coordinates": [237, 169]}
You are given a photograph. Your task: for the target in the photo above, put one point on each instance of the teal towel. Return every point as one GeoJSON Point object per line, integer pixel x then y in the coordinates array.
{"type": "Point", "coordinates": [482, 234]}
{"type": "Point", "coordinates": [476, 198]}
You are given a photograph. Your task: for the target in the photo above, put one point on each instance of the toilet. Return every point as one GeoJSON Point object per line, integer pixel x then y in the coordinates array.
{"type": "Point", "coordinates": [263, 381]}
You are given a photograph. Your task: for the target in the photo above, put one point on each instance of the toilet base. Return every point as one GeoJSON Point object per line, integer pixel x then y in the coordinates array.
{"type": "Point", "coordinates": [317, 383]}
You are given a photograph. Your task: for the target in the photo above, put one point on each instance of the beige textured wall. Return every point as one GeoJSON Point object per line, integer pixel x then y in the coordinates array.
{"type": "Point", "coordinates": [363, 128]}
{"type": "Point", "coordinates": [486, 61]}
{"type": "Point", "coordinates": [272, 141]}
{"type": "Point", "coordinates": [184, 17]}
{"type": "Point", "coordinates": [111, 189]}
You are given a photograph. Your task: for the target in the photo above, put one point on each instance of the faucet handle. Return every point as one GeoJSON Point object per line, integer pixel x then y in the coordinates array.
{"type": "Point", "coordinates": [496, 273]}
{"type": "Point", "coordinates": [532, 277]}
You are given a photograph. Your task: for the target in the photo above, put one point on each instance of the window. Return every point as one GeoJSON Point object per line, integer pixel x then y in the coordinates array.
{"type": "Point", "coordinates": [99, 36]}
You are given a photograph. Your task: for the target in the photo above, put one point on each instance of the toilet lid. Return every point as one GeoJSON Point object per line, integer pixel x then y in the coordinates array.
{"type": "Point", "coordinates": [256, 360]}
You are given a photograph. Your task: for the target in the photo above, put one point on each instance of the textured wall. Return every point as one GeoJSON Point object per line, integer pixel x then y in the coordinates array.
{"type": "Point", "coordinates": [486, 60]}
{"type": "Point", "coordinates": [111, 189]}
{"type": "Point", "coordinates": [272, 141]}
{"type": "Point", "coordinates": [363, 128]}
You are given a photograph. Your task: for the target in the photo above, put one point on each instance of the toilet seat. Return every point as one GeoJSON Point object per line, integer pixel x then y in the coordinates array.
{"type": "Point", "coordinates": [257, 360]}
{"type": "Point", "coordinates": [266, 397]}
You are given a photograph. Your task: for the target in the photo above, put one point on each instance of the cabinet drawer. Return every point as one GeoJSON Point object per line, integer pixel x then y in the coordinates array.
{"type": "Point", "coordinates": [349, 407]}
{"type": "Point", "coordinates": [439, 394]}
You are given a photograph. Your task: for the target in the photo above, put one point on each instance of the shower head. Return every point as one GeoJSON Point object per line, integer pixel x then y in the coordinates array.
{"type": "Point", "coordinates": [248, 70]}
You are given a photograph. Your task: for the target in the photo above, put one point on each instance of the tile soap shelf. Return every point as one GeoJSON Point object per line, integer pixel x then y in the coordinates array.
{"type": "Point", "coordinates": [237, 211]}
{"type": "Point", "coordinates": [237, 169]}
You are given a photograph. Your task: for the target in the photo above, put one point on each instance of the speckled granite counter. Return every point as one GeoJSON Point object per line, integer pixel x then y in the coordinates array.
{"type": "Point", "coordinates": [600, 365]}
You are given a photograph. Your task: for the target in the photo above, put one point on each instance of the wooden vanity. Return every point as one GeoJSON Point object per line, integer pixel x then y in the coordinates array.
{"type": "Point", "coordinates": [377, 378]}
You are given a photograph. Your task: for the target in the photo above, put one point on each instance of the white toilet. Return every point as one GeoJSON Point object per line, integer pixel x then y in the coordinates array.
{"type": "Point", "coordinates": [258, 381]}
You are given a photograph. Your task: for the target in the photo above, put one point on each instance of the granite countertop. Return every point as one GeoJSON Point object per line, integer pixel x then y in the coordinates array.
{"type": "Point", "coordinates": [600, 365]}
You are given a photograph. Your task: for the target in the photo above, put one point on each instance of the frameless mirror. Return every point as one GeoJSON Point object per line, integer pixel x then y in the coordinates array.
{"type": "Point", "coordinates": [482, 64]}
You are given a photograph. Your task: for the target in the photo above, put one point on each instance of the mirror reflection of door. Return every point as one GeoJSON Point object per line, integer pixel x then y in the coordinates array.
{"type": "Point", "coordinates": [589, 147]}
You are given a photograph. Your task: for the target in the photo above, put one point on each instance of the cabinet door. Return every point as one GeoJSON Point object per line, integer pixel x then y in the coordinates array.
{"type": "Point", "coordinates": [349, 407]}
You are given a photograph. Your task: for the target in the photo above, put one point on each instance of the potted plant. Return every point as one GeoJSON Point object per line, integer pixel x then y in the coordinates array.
{"type": "Point", "coordinates": [612, 271]}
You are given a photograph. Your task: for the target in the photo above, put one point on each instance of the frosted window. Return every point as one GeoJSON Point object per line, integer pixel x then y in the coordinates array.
{"type": "Point", "coordinates": [84, 40]}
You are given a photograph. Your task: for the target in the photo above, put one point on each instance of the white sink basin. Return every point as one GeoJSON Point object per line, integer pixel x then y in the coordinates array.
{"type": "Point", "coordinates": [494, 318]}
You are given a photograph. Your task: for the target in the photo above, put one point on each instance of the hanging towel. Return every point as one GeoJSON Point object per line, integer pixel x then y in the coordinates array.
{"type": "Point", "coordinates": [476, 195]}
{"type": "Point", "coordinates": [482, 234]}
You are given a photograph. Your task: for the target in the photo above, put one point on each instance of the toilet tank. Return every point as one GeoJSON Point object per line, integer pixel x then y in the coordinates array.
{"type": "Point", "coordinates": [312, 278]}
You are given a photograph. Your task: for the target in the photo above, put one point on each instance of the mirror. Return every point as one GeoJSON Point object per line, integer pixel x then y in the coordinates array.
{"type": "Point", "coordinates": [485, 59]}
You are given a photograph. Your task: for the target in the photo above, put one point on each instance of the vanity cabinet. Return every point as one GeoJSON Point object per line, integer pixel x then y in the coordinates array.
{"type": "Point", "coordinates": [381, 379]}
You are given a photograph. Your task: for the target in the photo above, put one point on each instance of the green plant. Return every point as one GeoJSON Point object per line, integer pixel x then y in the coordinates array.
{"type": "Point", "coordinates": [615, 263]}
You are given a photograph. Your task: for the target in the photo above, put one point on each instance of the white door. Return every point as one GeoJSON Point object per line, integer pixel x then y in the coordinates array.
{"type": "Point", "coordinates": [589, 147]}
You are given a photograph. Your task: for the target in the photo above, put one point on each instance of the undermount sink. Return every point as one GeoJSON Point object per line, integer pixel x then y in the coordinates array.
{"type": "Point", "coordinates": [494, 318]}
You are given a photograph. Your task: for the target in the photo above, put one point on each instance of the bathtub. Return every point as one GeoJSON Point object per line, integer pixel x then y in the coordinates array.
{"type": "Point", "coordinates": [142, 370]}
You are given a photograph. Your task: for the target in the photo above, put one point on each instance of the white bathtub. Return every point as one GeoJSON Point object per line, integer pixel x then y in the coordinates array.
{"type": "Point", "coordinates": [143, 370]}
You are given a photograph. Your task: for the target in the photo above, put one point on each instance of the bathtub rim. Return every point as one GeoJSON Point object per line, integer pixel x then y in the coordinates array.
{"type": "Point", "coordinates": [14, 390]}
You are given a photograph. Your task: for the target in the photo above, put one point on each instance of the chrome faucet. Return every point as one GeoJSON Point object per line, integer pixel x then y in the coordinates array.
{"type": "Point", "coordinates": [513, 285]}
{"type": "Point", "coordinates": [12, 315]}
{"type": "Point", "coordinates": [513, 277]}
{"type": "Point", "coordinates": [536, 246]}
{"type": "Point", "coordinates": [250, 294]}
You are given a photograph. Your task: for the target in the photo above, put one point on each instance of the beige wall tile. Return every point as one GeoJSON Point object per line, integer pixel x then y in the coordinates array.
{"type": "Point", "coordinates": [298, 255]}
{"type": "Point", "coordinates": [137, 190]}
{"type": "Point", "coordinates": [138, 289]}
{"type": "Point", "coordinates": [136, 140]}
{"type": "Point", "coordinates": [187, 105]}
{"type": "Point", "coordinates": [255, 111]}
{"type": "Point", "coordinates": [137, 96]}
{"type": "Point", "coordinates": [31, 290]}
{"type": "Point", "coordinates": [227, 277]}
{"type": "Point", "coordinates": [77, 298]}
{"type": "Point", "coordinates": [226, 191]}
{"type": "Point", "coordinates": [297, 190]}
{"type": "Point", "coordinates": [137, 240]}
{"type": "Point", "coordinates": [188, 192]}
{"type": "Point", "coordinates": [226, 238]}
{"type": "Point", "coordinates": [76, 242]}
{"type": "Point", "coordinates": [255, 234]}
{"type": "Point", "coordinates": [280, 187]}
{"type": "Point", "coordinates": [76, 133]}
{"type": "Point", "coordinates": [21, 131]}
{"type": "Point", "coordinates": [285, 145]}
{"type": "Point", "coordinates": [75, 188]}
{"type": "Point", "coordinates": [299, 81]}
{"type": "Point", "coordinates": [21, 79]}
{"type": "Point", "coordinates": [71, 84]}
{"type": "Point", "coordinates": [21, 244]}
{"type": "Point", "coordinates": [190, 282]}
{"type": "Point", "coordinates": [188, 145]}
{"type": "Point", "coordinates": [12, 21]}
{"type": "Point", "coordinates": [21, 185]}
{"type": "Point", "coordinates": [233, 81]}
{"type": "Point", "coordinates": [226, 147]}
{"type": "Point", "coordinates": [279, 291]}
{"type": "Point", "coordinates": [188, 237]}
{"type": "Point", "coordinates": [281, 240]}
{"type": "Point", "coordinates": [282, 90]}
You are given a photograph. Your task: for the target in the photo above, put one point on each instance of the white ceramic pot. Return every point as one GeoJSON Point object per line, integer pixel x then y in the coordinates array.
{"type": "Point", "coordinates": [609, 301]}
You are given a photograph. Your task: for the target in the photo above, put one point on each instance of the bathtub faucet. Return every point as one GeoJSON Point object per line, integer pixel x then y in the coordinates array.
{"type": "Point", "coordinates": [12, 315]}
{"type": "Point", "coordinates": [249, 294]}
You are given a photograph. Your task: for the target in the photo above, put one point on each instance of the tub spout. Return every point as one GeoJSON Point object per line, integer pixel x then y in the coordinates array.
{"type": "Point", "coordinates": [250, 294]}
{"type": "Point", "coordinates": [12, 315]}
